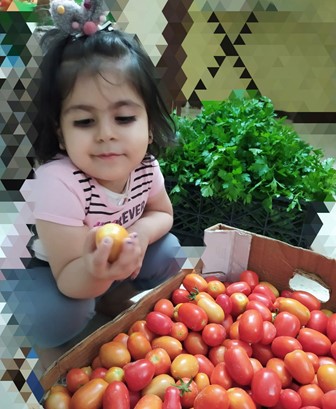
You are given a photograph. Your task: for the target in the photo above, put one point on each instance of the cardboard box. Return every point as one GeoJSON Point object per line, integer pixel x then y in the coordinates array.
{"type": "Point", "coordinates": [273, 260]}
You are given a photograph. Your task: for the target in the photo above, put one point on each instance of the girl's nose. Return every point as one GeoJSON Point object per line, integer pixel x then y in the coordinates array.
{"type": "Point", "coordinates": [105, 131]}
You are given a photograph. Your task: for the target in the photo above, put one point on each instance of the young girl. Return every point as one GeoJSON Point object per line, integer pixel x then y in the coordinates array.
{"type": "Point", "coordinates": [100, 121]}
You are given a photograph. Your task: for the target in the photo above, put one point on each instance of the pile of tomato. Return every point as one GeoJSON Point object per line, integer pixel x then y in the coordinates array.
{"type": "Point", "coordinates": [214, 345]}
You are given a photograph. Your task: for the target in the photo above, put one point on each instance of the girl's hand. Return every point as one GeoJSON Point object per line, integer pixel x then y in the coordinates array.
{"type": "Point", "coordinates": [128, 263]}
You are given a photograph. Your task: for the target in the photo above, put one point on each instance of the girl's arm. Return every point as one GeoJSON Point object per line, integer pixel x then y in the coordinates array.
{"type": "Point", "coordinates": [82, 270]}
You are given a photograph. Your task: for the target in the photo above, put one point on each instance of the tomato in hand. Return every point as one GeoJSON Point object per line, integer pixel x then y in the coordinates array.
{"type": "Point", "coordinates": [117, 233]}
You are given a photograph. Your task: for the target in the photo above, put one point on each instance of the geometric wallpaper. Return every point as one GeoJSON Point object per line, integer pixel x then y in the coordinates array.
{"type": "Point", "coordinates": [203, 50]}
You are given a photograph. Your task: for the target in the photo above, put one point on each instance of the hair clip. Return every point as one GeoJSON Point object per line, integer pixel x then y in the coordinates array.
{"type": "Point", "coordinates": [78, 19]}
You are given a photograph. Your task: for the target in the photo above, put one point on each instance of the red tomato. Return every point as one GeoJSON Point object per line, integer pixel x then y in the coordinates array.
{"type": "Point", "coordinates": [265, 299]}
{"type": "Point", "coordinates": [266, 387]}
{"type": "Point", "coordinates": [184, 366]}
{"type": "Point", "coordinates": [307, 299]}
{"type": "Point", "coordinates": [329, 399]}
{"type": "Point", "coordinates": [215, 288]}
{"type": "Point", "coordinates": [149, 402]}
{"type": "Point", "coordinates": [159, 323]}
{"type": "Point", "coordinates": [228, 343]}
{"type": "Point", "coordinates": [259, 306]}
{"type": "Point", "coordinates": [194, 344]}
{"type": "Point", "coordinates": [318, 321]}
{"type": "Point", "coordinates": [284, 344]}
{"type": "Point", "coordinates": [116, 396]}
{"type": "Point", "coordinates": [138, 374]}
{"type": "Point", "coordinates": [90, 395]}
{"type": "Point", "coordinates": [213, 310]}
{"type": "Point", "coordinates": [99, 372]}
{"type": "Point", "coordinates": [250, 277]}
{"type": "Point", "coordinates": [239, 302]}
{"type": "Point", "coordinates": [251, 326]}
{"type": "Point", "coordinates": [269, 333]}
{"type": "Point", "coordinates": [287, 324]}
{"type": "Point", "coordinates": [238, 365]}
{"type": "Point", "coordinates": [141, 326]}
{"type": "Point", "coordinates": [179, 331]}
{"type": "Point", "coordinates": [138, 345]}
{"type": "Point", "coordinates": [299, 366]}
{"type": "Point", "coordinates": [205, 365]}
{"type": "Point", "coordinates": [180, 295]}
{"type": "Point", "coordinates": [172, 398]}
{"type": "Point", "coordinates": [193, 316]}
{"type": "Point", "coordinates": [326, 377]}
{"type": "Point", "coordinates": [213, 334]}
{"type": "Point", "coordinates": [194, 281]}
{"type": "Point", "coordinates": [121, 337]}
{"type": "Point", "coordinates": [311, 394]}
{"type": "Point", "coordinates": [314, 359]}
{"type": "Point", "coordinates": [172, 345]}
{"type": "Point", "coordinates": [212, 396]}
{"type": "Point", "coordinates": [262, 352]}
{"type": "Point", "coordinates": [75, 378]}
{"type": "Point", "coordinates": [256, 364]}
{"type": "Point", "coordinates": [265, 289]}
{"type": "Point", "coordinates": [225, 302]}
{"type": "Point", "coordinates": [227, 322]}
{"type": "Point", "coordinates": [290, 399]}
{"type": "Point", "coordinates": [188, 392]}
{"type": "Point", "coordinates": [333, 350]}
{"type": "Point", "coordinates": [238, 287]}
{"type": "Point", "coordinates": [57, 400]}
{"type": "Point", "coordinates": [240, 399]}
{"type": "Point", "coordinates": [220, 376]}
{"type": "Point", "coordinates": [216, 354]}
{"type": "Point", "coordinates": [331, 327]}
{"type": "Point", "coordinates": [160, 359]}
{"type": "Point", "coordinates": [164, 306]}
{"type": "Point", "coordinates": [314, 341]}
{"type": "Point", "coordinates": [279, 367]}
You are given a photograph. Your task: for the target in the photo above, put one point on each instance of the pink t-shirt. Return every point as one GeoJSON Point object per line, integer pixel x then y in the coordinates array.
{"type": "Point", "coordinates": [65, 195]}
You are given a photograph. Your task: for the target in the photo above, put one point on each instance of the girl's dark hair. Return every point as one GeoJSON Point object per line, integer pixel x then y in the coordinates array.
{"type": "Point", "coordinates": [67, 57]}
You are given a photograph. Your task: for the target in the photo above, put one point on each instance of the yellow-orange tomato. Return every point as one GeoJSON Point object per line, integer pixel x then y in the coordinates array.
{"type": "Point", "coordinates": [121, 337]}
{"type": "Point", "coordinates": [115, 232]}
{"type": "Point", "coordinates": [90, 395]}
{"type": "Point", "coordinates": [114, 353]}
{"type": "Point", "coordinates": [57, 400]}
{"type": "Point", "coordinates": [172, 345]}
{"type": "Point", "coordinates": [294, 307]}
{"type": "Point", "coordinates": [59, 388]}
{"type": "Point", "coordinates": [202, 380]}
{"type": "Point", "coordinates": [239, 399]}
{"type": "Point", "coordinates": [326, 377]}
{"type": "Point", "coordinates": [274, 290]}
{"type": "Point", "coordinates": [138, 345]}
{"type": "Point", "coordinates": [184, 365]}
{"type": "Point", "coordinates": [215, 287]}
{"type": "Point", "coordinates": [213, 310]}
{"type": "Point", "coordinates": [115, 373]}
{"type": "Point", "coordinates": [158, 385]}
{"type": "Point", "coordinates": [149, 401]}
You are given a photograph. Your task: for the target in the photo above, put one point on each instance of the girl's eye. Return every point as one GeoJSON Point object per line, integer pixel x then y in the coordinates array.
{"type": "Point", "coordinates": [125, 119]}
{"type": "Point", "coordinates": [84, 122]}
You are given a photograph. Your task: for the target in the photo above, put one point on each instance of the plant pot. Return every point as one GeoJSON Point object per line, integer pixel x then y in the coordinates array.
{"type": "Point", "coordinates": [195, 213]}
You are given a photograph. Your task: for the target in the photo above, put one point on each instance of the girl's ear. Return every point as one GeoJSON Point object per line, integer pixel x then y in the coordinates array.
{"type": "Point", "coordinates": [60, 139]}
{"type": "Point", "coordinates": [150, 137]}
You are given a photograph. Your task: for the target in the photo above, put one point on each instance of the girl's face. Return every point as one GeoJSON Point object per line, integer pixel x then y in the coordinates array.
{"type": "Point", "coordinates": [104, 128]}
